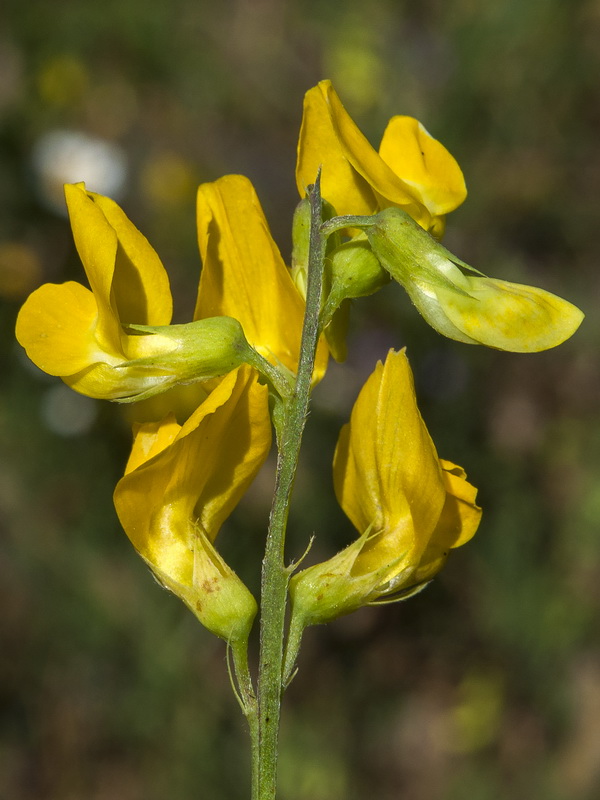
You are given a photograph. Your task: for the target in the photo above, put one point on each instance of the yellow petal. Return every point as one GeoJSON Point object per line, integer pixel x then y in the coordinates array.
{"type": "Point", "coordinates": [510, 316]}
{"type": "Point", "coordinates": [388, 186]}
{"type": "Point", "coordinates": [56, 326]}
{"type": "Point", "coordinates": [180, 400]}
{"type": "Point", "coordinates": [243, 274]}
{"type": "Point", "coordinates": [198, 471]}
{"type": "Point", "coordinates": [106, 382]}
{"type": "Point", "coordinates": [97, 244]}
{"type": "Point", "coordinates": [126, 276]}
{"type": "Point", "coordinates": [150, 439]}
{"type": "Point", "coordinates": [423, 163]}
{"type": "Point", "coordinates": [241, 436]}
{"type": "Point", "coordinates": [461, 515]}
{"type": "Point", "coordinates": [140, 284]}
{"type": "Point", "coordinates": [386, 471]}
{"type": "Point", "coordinates": [458, 522]}
{"type": "Point", "coordinates": [319, 146]}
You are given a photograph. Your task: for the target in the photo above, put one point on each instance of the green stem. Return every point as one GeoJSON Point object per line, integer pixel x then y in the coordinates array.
{"type": "Point", "coordinates": [247, 698]}
{"type": "Point", "coordinates": [278, 378]}
{"type": "Point", "coordinates": [350, 221]}
{"type": "Point", "coordinates": [275, 575]}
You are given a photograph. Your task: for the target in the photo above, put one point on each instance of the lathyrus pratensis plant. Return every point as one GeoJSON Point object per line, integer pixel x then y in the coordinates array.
{"type": "Point", "coordinates": [259, 342]}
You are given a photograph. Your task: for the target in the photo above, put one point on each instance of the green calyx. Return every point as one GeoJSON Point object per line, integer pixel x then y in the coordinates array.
{"type": "Point", "coordinates": [195, 351]}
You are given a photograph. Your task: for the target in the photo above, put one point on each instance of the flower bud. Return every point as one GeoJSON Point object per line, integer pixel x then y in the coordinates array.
{"type": "Point", "coordinates": [301, 240]}
{"type": "Point", "coordinates": [300, 244]}
{"type": "Point", "coordinates": [354, 271]}
{"type": "Point", "coordinates": [469, 308]}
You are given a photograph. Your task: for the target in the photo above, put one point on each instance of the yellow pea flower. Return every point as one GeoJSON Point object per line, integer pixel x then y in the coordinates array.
{"type": "Point", "coordinates": [412, 170]}
{"type": "Point", "coordinates": [115, 341]}
{"type": "Point", "coordinates": [182, 482]}
{"type": "Point", "coordinates": [244, 275]}
{"type": "Point", "coordinates": [410, 506]}
{"type": "Point", "coordinates": [470, 308]}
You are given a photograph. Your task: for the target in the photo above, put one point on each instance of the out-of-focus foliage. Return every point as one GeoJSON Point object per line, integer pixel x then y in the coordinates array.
{"type": "Point", "coordinates": [487, 684]}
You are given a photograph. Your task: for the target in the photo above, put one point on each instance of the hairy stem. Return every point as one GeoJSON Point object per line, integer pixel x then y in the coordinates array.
{"type": "Point", "coordinates": [275, 574]}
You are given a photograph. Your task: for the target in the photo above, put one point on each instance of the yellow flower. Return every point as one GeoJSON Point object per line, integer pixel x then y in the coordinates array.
{"type": "Point", "coordinates": [244, 276]}
{"type": "Point", "coordinates": [182, 482]}
{"type": "Point", "coordinates": [115, 341]}
{"type": "Point", "coordinates": [410, 506]}
{"type": "Point", "coordinates": [470, 308]}
{"type": "Point", "coordinates": [412, 169]}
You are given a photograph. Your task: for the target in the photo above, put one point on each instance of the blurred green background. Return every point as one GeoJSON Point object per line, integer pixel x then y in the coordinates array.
{"type": "Point", "coordinates": [485, 686]}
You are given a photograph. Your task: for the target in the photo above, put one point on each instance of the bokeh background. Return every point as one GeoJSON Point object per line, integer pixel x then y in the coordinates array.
{"type": "Point", "coordinates": [486, 685]}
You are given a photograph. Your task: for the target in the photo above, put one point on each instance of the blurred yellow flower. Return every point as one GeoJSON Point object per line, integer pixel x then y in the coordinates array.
{"type": "Point", "coordinates": [182, 482]}
{"type": "Point", "coordinates": [244, 275]}
{"type": "Point", "coordinates": [20, 269]}
{"type": "Point", "coordinates": [412, 169]}
{"type": "Point", "coordinates": [115, 341]}
{"type": "Point", "coordinates": [410, 506]}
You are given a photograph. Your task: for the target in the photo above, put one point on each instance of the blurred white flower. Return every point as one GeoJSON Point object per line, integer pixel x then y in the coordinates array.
{"type": "Point", "coordinates": [65, 156]}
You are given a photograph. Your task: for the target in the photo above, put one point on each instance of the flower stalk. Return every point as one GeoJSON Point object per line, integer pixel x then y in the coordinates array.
{"type": "Point", "coordinates": [275, 573]}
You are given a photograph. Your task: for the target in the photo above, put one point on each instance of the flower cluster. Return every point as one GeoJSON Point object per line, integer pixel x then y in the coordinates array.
{"type": "Point", "coordinates": [385, 212]}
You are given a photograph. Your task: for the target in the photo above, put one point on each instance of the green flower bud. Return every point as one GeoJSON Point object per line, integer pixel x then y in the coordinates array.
{"type": "Point", "coordinates": [469, 308]}
{"type": "Point", "coordinates": [353, 271]}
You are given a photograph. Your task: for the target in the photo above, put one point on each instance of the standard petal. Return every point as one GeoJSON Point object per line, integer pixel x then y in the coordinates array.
{"type": "Point", "coordinates": [510, 316]}
{"type": "Point", "coordinates": [386, 471]}
{"type": "Point", "coordinates": [97, 245]}
{"type": "Point", "coordinates": [140, 284]}
{"type": "Point", "coordinates": [56, 326]}
{"type": "Point", "coordinates": [389, 188]}
{"type": "Point", "coordinates": [424, 163]}
{"type": "Point", "coordinates": [319, 146]}
{"type": "Point", "coordinates": [243, 274]}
